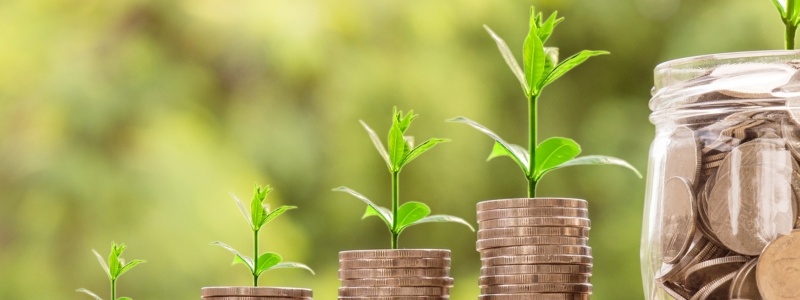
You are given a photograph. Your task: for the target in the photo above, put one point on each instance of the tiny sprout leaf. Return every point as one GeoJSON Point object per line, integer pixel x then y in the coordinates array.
{"type": "Point", "coordinates": [396, 147]}
{"type": "Point", "coordinates": [443, 218]}
{"type": "Point", "coordinates": [238, 257]}
{"type": "Point", "coordinates": [127, 267]}
{"type": "Point", "coordinates": [422, 148]}
{"type": "Point", "coordinates": [376, 141]}
{"type": "Point", "coordinates": [114, 264]}
{"type": "Point", "coordinates": [293, 265]}
{"type": "Point", "coordinates": [267, 261]}
{"type": "Point", "coordinates": [569, 64]}
{"type": "Point", "coordinates": [515, 152]}
{"type": "Point", "coordinates": [553, 152]}
{"type": "Point", "coordinates": [382, 213]}
{"type": "Point", "coordinates": [102, 263]}
{"type": "Point", "coordinates": [277, 212]}
{"type": "Point", "coordinates": [243, 210]}
{"type": "Point", "coordinates": [546, 29]}
{"type": "Point", "coordinates": [599, 160]}
{"type": "Point", "coordinates": [410, 212]}
{"type": "Point", "coordinates": [85, 291]}
{"type": "Point", "coordinates": [533, 58]}
{"type": "Point", "coordinates": [258, 210]}
{"type": "Point", "coordinates": [511, 61]}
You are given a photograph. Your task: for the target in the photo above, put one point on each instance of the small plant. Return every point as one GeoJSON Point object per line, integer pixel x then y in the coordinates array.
{"type": "Point", "coordinates": [790, 15]}
{"type": "Point", "coordinates": [401, 151]}
{"type": "Point", "coordinates": [260, 214]}
{"type": "Point", "coordinates": [540, 68]}
{"type": "Point", "coordinates": [115, 267]}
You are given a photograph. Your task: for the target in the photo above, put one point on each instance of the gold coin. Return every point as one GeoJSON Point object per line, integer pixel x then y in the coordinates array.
{"type": "Point", "coordinates": [702, 274]}
{"type": "Point", "coordinates": [537, 250]}
{"type": "Point", "coordinates": [535, 296]}
{"type": "Point", "coordinates": [530, 240]}
{"type": "Point", "coordinates": [533, 212]}
{"type": "Point", "coordinates": [537, 260]}
{"type": "Point", "coordinates": [678, 219]}
{"type": "Point", "coordinates": [536, 269]}
{"type": "Point", "coordinates": [392, 263]}
{"type": "Point", "coordinates": [778, 269]}
{"type": "Point", "coordinates": [396, 253]}
{"type": "Point", "coordinates": [393, 273]}
{"type": "Point", "coordinates": [533, 278]}
{"type": "Point", "coordinates": [531, 202]}
{"type": "Point", "coordinates": [255, 291]}
{"type": "Point", "coordinates": [536, 222]}
{"type": "Point", "coordinates": [400, 281]}
{"type": "Point", "coordinates": [531, 231]}
{"type": "Point", "coordinates": [744, 284]}
{"type": "Point", "coordinates": [538, 288]}
{"type": "Point", "coordinates": [393, 291]}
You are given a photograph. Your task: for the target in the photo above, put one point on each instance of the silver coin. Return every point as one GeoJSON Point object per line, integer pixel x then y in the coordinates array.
{"type": "Point", "coordinates": [530, 240]}
{"type": "Point", "coordinates": [393, 291]}
{"type": "Point", "coordinates": [678, 219]}
{"type": "Point", "coordinates": [531, 202]}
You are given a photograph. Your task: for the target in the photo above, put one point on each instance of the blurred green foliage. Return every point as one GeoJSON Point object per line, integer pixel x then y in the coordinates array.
{"type": "Point", "coordinates": [133, 120]}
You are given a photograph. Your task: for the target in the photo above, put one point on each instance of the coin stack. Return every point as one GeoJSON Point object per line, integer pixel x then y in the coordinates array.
{"type": "Point", "coordinates": [255, 293]}
{"type": "Point", "coordinates": [534, 249]}
{"type": "Point", "coordinates": [404, 274]}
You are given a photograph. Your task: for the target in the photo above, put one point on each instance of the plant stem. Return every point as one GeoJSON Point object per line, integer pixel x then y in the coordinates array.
{"type": "Point", "coordinates": [113, 289]}
{"type": "Point", "coordinates": [533, 108]}
{"type": "Point", "coordinates": [255, 257]}
{"type": "Point", "coordinates": [395, 206]}
{"type": "Point", "coordinates": [791, 29]}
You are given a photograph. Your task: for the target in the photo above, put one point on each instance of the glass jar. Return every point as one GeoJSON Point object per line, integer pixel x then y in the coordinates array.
{"type": "Point", "coordinates": [724, 179]}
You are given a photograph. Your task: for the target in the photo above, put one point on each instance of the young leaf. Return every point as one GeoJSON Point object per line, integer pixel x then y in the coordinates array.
{"type": "Point", "coordinates": [127, 267]}
{"type": "Point", "coordinates": [442, 218]}
{"type": "Point", "coordinates": [102, 263]}
{"type": "Point", "coordinates": [114, 264]}
{"type": "Point", "coordinates": [553, 152]}
{"type": "Point", "coordinates": [517, 153]}
{"type": "Point", "coordinates": [258, 210]}
{"type": "Point", "coordinates": [85, 291]}
{"type": "Point", "coordinates": [511, 61]}
{"type": "Point", "coordinates": [569, 64]}
{"type": "Point", "coordinates": [371, 212]}
{"type": "Point", "coordinates": [267, 261]}
{"type": "Point", "coordinates": [275, 213]}
{"type": "Point", "coordinates": [382, 213]}
{"type": "Point", "coordinates": [551, 59]}
{"type": "Point", "coordinates": [546, 29]}
{"type": "Point", "coordinates": [599, 160]}
{"type": "Point", "coordinates": [376, 141]}
{"type": "Point", "coordinates": [293, 265]}
{"type": "Point", "coordinates": [403, 122]}
{"type": "Point", "coordinates": [422, 148]}
{"type": "Point", "coordinates": [500, 150]}
{"type": "Point", "coordinates": [243, 210]}
{"type": "Point", "coordinates": [396, 147]}
{"type": "Point", "coordinates": [533, 58]}
{"type": "Point", "coordinates": [238, 257]}
{"type": "Point", "coordinates": [411, 212]}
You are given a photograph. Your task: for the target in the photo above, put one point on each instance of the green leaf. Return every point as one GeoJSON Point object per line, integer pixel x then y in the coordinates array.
{"type": "Point", "coordinates": [422, 148]}
{"type": "Point", "coordinates": [370, 212]}
{"type": "Point", "coordinates": [511, 61]}
{"type": "Point", "coordinates": [267, 261]}
{"type": "Point", "coordinates": [277, 212]}
{"type": "Point", "coordinates": [243, 210]}
{"type": "Point", "coordinates": [238, 257]}
{"type": "Point", "coordinates": [85, 291]}
{"type": "Point", "coordinates": [114, 264]}
{"type": "Point", "coordinates": [293, 265]}
{"type": "Point", "coordinates": [443, 218]}
{"type": "Point", "coordinates": [570, 63]}
{"type": "Point", "coordinates": [410, 212]}
{"type": "Point", "coordinates": [517, 153]}
{"type": "Point", "coordinates": [599, 160]}
{"type": "Point", "coordinates": [258, 210]}
{"type": "Point", "coordinates": [533, 58]}
{"type": "Point", "coordinates": [396, 147]}
{"type": "Point", "coordinates": [546, 29]}
{"type": "Point", "coordinates": [376, 141]}
{"type": "Point", "coordinates": [553, 152]}
{"type": "Point", "coordinates": [103, 263]}
{"type": "Point", "coordinates": [127, 267]}
{"type": "Point", "coordinates": [383, 214]}
{"type": "Point", "coordinates": [403, 122]}
{"type": "Point", "coordinates": [551, 59]}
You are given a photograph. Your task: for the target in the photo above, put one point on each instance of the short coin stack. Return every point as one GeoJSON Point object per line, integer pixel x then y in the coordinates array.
{"type": "Point", "coordinates": [404, 274]}
{"type": "Point", "coordinates": [534, 249]}
{"type": "Point", "coordinates": [255, 293]}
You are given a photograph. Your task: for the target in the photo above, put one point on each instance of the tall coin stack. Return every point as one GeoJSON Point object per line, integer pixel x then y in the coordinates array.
{"type": "Point", "coordinates": [255, 293]}
{"type": "Point", "coordinates": [405, 274]}
{"type": "Point", "coordinates": [534, 249]}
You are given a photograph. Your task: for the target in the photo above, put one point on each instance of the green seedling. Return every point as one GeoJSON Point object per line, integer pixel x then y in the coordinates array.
{"type": "Point", "coordinates": [541, 68]}
{"type": "Point", "coordinates": [398, 154]}
{"type": "Point", "coordinates": [790, 15]}
{"type": "Point", "coordinates": [115, 267]}
{"type": "Point", "coordinates": [260, 214]}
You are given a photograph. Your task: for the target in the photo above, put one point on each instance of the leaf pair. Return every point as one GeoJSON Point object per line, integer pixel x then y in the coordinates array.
{"type": "Point", "coordinates": [265, 262]}
{"type": "Point", "coordinates": [790, 15]}
{"type": "Point", "coordinates": [553, 153]}
{"type": "Point", "coordinates": [260, 213]}
{"type": "Point", "coordinates": [114, 268]}
{"type": "Point", "coordinates": [401, 149]}
{"type": "Point", "coordinates": [409, 214]}
{"type": "Point", "coordinates": [541, 66]}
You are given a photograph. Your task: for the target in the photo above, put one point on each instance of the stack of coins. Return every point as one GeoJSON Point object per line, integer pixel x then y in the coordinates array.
{"type": "Point", "coordinates": [534, 249]}
{"type": "Point", "coordinates": [255, 293]}
{"type": "Point", "coordinates": [404, 274]}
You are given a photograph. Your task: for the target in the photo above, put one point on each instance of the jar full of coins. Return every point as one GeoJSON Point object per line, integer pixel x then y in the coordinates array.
{"type": "Point", "coordinates": [723, 187]}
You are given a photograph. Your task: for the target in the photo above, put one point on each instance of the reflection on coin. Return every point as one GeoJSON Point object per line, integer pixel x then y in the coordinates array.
{"type": "Point", "coordinates": [532, 212]}
{"type": "Point", "coordinates": [396, 253]}
{"type": "Point", "coordinates": [535, 296]}
{"type": "Point", "coordinates": [778, 269]}
{"type": "Point", "coordinates": [702, 274]}
{"type": "Point", "coordinates": [530, 240]}
{"type": "Point", "coordinates": [678, 217]}
{"type": "Point", "coordinates": [753, 193]}
{"type": "Point", "coordinates": [532, 202]}
{"type": "Point", "coordinates": [537, 259]}
{"type": "Point", "coordinates": [380, 273]}
{"type": "Point", "coordinates": [255, 291]}
{"type": "Point", "coordinates": [391, 263]}
{"type": "Point", "coordinates": [537, 250]}
{"type": "Point", "coordinates": [744, 284]}
{"type": "Point", "coordinates": [533, 278]}
{"type": "Point", "coordinates": [533, 222]}
{"type": "Point", "coordinates": [393, 291]}
{"type": "Point", "coordinates": [531, 231]}
{"type": "Point", "coordinates": [531, 269]}
{"type": "Point", "coordinates": [538, 288]}
{"type": "Point", "coordinates": [682, 155]}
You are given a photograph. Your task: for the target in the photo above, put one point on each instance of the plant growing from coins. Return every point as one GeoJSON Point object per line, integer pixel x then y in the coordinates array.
{"type": "Point", "coordinates": [540, 69]}
{"type": "Point", "coordinates": [260, 214]}
{"type": "Point", "coordinates": [790, 15]}
{"type": "Point", "coordinates": [399, 152]}
{"type": "Point", "coordinates": [115, 267]}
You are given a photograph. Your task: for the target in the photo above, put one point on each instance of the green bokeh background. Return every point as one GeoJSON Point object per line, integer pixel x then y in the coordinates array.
{"type": "Point", "coordinates": [134, 120]}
